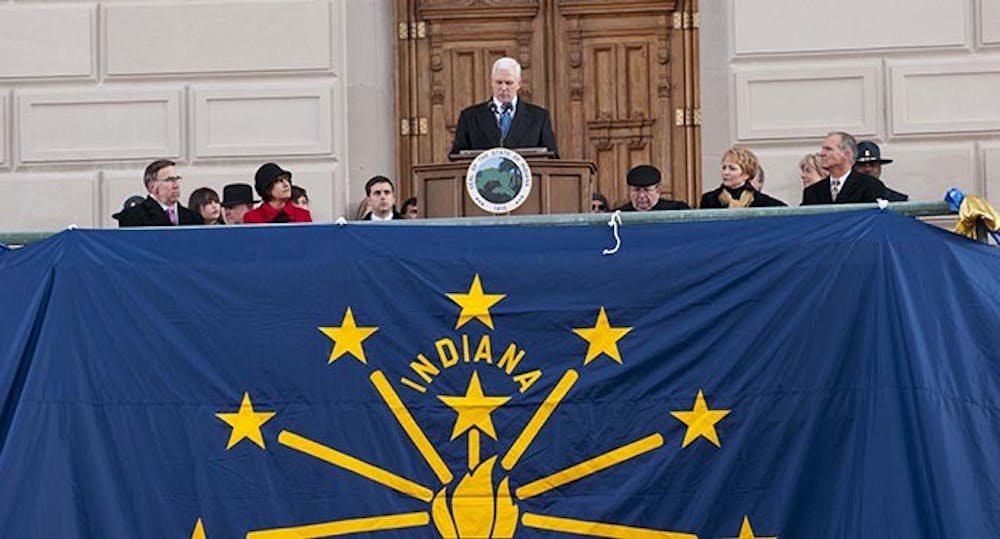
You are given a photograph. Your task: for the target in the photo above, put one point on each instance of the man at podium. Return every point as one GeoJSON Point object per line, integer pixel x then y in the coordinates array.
{"type": "Point", "coordinates": [504, 120]}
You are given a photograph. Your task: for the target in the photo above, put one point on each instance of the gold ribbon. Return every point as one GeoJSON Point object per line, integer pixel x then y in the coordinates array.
{"type": "Point", "coordinates": [972, 211]}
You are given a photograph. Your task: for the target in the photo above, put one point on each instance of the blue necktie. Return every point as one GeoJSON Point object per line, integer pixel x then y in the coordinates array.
{"type": "Point", "coordinates": [505, 121]}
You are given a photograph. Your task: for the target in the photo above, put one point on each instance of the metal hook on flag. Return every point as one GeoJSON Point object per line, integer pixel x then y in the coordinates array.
{"type": "Point", "coordinates": [614, 223]}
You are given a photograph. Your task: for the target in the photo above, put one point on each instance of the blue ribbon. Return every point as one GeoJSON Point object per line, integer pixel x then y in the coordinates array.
{"type": "Point", "coordinates": [954, 198]}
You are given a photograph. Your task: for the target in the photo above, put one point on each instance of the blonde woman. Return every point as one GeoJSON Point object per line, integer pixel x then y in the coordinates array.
{"type": "Point", "coordinates": [810, 171]}
{"type": "Point", "coordinates": [739, 165]}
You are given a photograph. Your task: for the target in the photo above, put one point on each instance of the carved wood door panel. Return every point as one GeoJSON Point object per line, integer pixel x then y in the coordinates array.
{"type": "Point", "coordinates": [611, 72]}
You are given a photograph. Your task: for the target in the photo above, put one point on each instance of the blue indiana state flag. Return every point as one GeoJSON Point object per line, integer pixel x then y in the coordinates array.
{"type": "Point", "coordinates": [827, 376]}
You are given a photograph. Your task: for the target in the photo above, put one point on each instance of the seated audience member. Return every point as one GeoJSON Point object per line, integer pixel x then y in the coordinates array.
{"type": "Point", "coordinates": [843, 185]}
{"type": "Point", "coordinates": [205, 201]}
{"type": "Point", "coordinates": [739, 166]}
{"type": "Point", "coordinates": [810, 170]}
{"type": "Point", "coordinates": [381, 200]}
{"type": "Point", "coordinates": [870, 162]}
{"type": "Point", "coordinates": [410, 209]}
{"type": "Point", "coordinates": [644, 191]}
{"type": "Point", "coordinates": [299, 197]}
{"type": "Point", "coordinates": [599, 203]}
{"type": "Point", "coordinates": [161, 207]}
{"type": "Point", "coordinates": [274, 185]}
{"type": "Point", "coordinates": [237, 200]}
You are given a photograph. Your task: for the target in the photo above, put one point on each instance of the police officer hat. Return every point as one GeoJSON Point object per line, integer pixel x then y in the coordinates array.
{"type": "Point", "coordinates": [868, 152]}
{"type": "Point", "coordinates": [643, 176]}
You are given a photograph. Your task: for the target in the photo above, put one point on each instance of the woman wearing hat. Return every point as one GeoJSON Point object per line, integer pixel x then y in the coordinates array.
{"type": "Point", "coordinates": [738, 166]}
{"type": "Point", "coordinates": [274, 185]}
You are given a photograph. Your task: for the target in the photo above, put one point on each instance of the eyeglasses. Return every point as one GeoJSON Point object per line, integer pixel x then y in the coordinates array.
{"type": "Point", "coordinates": [170, 179]}
{"type": "Point", "coordinates": [598, 207]}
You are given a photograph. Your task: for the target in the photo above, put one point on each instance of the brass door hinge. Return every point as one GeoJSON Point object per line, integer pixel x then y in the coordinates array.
{"type": "Point", "coordinates": [687, 117]}
{"type": "Point", "coordinates": [412, 127]}
{"type": "Point", "coordinates": [686, 20]}
{"type": "Point", "coordinates": [412, 30]}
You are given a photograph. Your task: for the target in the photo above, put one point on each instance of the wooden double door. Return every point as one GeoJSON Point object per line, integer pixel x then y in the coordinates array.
{"type": "Point", "coordinates": [619, 77]}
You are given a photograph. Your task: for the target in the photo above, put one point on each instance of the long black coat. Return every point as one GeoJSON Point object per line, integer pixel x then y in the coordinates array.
{"type": "Point", "coordinates": [149, 213]}
{"type": "Point", "coordinates": [760, 200]}
{"type": "Point", "coordinates": [857, 188]}
{"type": "Point", "coordinates": [531, 127]}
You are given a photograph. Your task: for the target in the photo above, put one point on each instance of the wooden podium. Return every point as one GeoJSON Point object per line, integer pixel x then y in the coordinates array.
{"type": "Point", "coordinates": [558, 186]}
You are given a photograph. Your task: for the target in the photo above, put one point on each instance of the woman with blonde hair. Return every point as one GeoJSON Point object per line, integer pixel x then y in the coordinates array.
{"type": "Point", "coordinates": [739, 165]}
{"type": "Point", "coordinates": [810, 171]}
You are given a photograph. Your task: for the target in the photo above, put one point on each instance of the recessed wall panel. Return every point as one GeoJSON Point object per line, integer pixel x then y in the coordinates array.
{"type": "Point", "coordinates": [991, 167]}
{"type": "Point", "coordinates": [809, 101]}
{"type": "Point", "coordinates": [198, 37]}
{"type": "Point", "coordinates": [41, 41]}
{"type": "Point", "coordinates": [783, 26]}
{"type": "Point", "coordinates": [48, 201]}
{"type": "Point", "coordinates": [262, 120]}
{"type": "Point", "coordinates": [93, 124]}
{"type": "Point", "coordinates": [989, 22]}
{"type": "Point", "coordinates": [949, 97]}
{"type": "Point", "coordinates": [926, 170]}
{"type": "Point", "coordinates": [4, 141]}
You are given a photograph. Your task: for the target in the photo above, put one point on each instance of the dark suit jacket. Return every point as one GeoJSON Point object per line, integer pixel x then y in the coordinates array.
{"type": "Point", "coordinates": [661, 204]}
{"type": "Point", "coordinates": [857, 188]}
{"type": "Point", "coordinates": [149, 213]}
{"type": "Point", "coordinates": [710, 200]}
{"type": "Point", "coordinates": [395, 215]}
{"type": "Point", "coordinates": [531, 127]}
{"type": "Point", "coordinates": [895, 196]}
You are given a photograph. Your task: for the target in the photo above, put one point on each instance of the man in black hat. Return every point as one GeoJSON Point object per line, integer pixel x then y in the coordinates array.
{"type": "Point", "coordinates": [274, 185]}
{"type": "Point", "coordinates": [162, 206]}
{"type": "Point", "coordinates": [870, 162]}
{"type": "Point", "coordinates": [237, 200]}
{"type": "Point", "coordinates": [644, 191]}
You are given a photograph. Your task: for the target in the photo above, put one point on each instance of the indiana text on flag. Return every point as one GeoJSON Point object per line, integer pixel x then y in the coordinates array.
{"type": "Point", "coordinates": [811, 376]}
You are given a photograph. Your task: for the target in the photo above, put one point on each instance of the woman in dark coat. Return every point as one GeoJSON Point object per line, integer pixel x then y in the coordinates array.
{"type": "Point", "coordinates": [739, 165]}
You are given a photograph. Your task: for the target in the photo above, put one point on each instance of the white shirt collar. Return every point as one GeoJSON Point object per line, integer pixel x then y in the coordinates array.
{"type": "Point", "coordinates": [386, 218]}
{"type": "Point", "coordinates": [499, 106]}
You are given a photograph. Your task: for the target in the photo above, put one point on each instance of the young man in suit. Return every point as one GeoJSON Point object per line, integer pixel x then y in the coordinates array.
{"type": "Point", "coordinates": [844, 185]}
{"type": "Point", "coordinates": [504, 120]}
{"type": "Point", "coordinates": [381, 199]}
{"type": "Point", "coordinates": [161, 207]}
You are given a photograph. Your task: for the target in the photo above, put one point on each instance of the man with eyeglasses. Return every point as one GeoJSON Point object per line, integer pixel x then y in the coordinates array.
{"type": "Point", "coordinates": [644, 191]}
{"type": "Point", "coordinates": [161, 207]}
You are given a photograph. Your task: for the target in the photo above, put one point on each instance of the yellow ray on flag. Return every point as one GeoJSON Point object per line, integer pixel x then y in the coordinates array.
{"type": "Point", "coordinates": [590, 467]}
{"type": "Point", "coordinates": [345, 527]}
{"type": "Point", "coordinates": [199, 530]}
{"type": "Point", "coordinates": [352, 464]}
{"type": "Point", "coordinates": [597, 529]}
{"type": "Point", "coordinates": [538, 420]}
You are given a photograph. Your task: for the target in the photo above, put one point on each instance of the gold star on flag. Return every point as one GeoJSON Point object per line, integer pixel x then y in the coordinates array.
{"type": "Point", "coordinates": [475, 304]}
{"type": "Point", "coordinates": [474, 409]}
{"type": "Point", "coordinates": [246, 423]}
{"type": "Point", "coordinates": [199, 530]}
{"type": "Point", "coordinates": [746, 532]}
{"type": "Point", "coordinates": [347, 338]}
{"type": "Point", "coordinates": [700, 421]}
{"type": "Point", "coordinates": [602, 338]}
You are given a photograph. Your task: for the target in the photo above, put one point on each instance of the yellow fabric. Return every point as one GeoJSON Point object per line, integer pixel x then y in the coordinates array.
{"type": "Point", "coordinates": [973, 210]}
{"type": "Point", "coordinates": [727, 200]}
